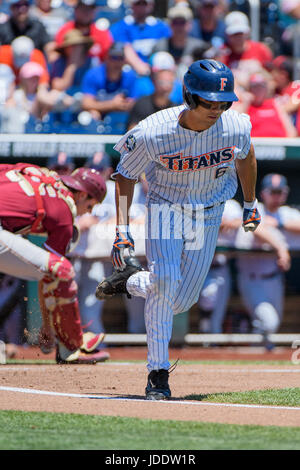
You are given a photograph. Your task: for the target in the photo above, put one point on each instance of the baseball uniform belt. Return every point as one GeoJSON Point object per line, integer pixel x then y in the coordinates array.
{"type": "Point", "coordinates": [264, 276]}
{"type": "Point", "coordinates": [214, 205]}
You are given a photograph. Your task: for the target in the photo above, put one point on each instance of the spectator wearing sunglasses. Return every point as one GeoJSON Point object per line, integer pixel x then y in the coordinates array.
{"type": "Point", "coordinates": [161, 61]}
{"type": "Point", "coordinates": [208, 24]}
{"type": "Point", "coordinates": [139, 32]}
{"type": "Point", "coordinates": [180, 45]}
{"type": "Point", "coordinates": [109, 90]}
{"type": "Point", "coordinates": [21, 24]}
{"type": "Point", "coordinates": [163, 79]}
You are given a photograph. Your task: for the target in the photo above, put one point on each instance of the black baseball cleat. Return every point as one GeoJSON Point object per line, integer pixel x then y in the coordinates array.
{"type": "Point", "coordinates": [158, 385]}
{"type": "Point", "coordinates": [116, 283]}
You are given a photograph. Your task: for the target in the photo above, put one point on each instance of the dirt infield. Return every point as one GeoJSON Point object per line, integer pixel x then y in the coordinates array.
{"type": "Point", "coordinates": [117, 388]}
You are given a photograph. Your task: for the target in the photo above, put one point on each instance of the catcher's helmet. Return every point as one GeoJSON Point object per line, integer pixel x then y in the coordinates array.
{"type": "Point", "coordinates": [87, 180]}
{"type": "Point", "coordinates": [209, 79]}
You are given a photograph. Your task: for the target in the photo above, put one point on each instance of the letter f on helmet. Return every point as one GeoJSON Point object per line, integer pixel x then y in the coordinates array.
{"type": "Point", "coordinates": [223, 83]}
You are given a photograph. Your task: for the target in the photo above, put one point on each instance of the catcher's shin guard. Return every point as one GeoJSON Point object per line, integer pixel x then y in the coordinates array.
{"type": "Point", "coordinates": [61, 301]}
{"type": "Point", "coordinates": [58, 300]}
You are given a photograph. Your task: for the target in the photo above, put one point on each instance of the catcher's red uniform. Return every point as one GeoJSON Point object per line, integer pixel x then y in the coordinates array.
{"type": "Point", "coordinates": [18, 211]}
{"type": "Point", "coordinates": [34, 200]}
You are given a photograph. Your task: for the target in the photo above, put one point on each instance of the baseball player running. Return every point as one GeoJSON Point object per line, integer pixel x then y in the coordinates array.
{"type": "Point", "coordinates": [36, 200]}
{"type": "Point", "coordinates": [192, 155]}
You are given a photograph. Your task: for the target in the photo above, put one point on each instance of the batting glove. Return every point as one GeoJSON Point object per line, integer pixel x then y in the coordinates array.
{"type": "Point", "coordinates": [251, 216]}
{"type": "Point", "coordinates": [122, 242]}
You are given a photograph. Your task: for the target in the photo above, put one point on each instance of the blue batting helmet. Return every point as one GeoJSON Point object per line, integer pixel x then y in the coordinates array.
{"type": "Point", "coordinates": [209, 79]}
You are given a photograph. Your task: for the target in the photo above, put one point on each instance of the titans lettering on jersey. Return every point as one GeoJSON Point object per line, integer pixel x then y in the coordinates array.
{"type": "Point", "coordinates": [180, 163]}
{"type": "Point", "coordinates": [171, 156]}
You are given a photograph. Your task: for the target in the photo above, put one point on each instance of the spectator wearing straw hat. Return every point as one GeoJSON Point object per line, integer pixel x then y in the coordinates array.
{"type": "Point", "coordinates": [84, 14]}
{"type": "Point", "coordinates": [69, 69]}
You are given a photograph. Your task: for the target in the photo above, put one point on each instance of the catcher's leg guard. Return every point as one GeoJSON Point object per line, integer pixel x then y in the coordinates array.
{"type": "Point", "coordinates": [61, 301]}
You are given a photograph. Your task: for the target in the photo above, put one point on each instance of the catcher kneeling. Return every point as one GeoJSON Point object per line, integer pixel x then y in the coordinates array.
{"type": "Point", "coordinates": [34, 200]}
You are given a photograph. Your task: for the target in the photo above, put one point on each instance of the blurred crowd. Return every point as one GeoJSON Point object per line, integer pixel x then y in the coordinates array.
{"type": "Point", "coordinates": [99, 66]}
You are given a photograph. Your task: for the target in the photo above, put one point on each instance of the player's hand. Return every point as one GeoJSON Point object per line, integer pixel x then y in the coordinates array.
{"type": "Point", "coordinates": [251, 219]}
{"type": "Point", "coordinates": [283, 259]}
{"type": "Point", "coordinates": [122, 242]}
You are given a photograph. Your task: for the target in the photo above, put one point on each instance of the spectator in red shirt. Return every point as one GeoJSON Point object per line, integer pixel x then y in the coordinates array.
{"type": "Point", "coordinates": [267, 115]}
{"type": "Point", "coordinates": [238, 46]}
{"type": "Point", "coordinates": [287, 89]}
{"type": "Point", "coordinates": [282, 69]}
{"type": "Point", "coordinates": [84, 14]}
{"type": "Point", "coordinates": [35, 200]}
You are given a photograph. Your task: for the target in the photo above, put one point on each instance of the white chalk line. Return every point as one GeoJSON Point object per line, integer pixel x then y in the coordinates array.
{"type": "Point", "coordinates": [256, 371]}
{"type": "Point", "coordinates": [204, 369]}
{"type": "Point", "coordinates": [168, 402]}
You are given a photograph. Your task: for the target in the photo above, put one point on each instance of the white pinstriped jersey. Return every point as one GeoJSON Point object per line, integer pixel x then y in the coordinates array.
{"type": "Point", "coordinates": [184, 166]}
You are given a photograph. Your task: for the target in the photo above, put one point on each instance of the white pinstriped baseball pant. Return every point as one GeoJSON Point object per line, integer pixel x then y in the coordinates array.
{"type": "Point", "coordinates": [173, 283]}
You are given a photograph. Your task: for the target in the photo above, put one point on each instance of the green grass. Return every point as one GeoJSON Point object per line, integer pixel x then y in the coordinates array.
{"type": "Point", "coordinates": [277, 397]}
{"type": "Point", "coordinates": [48, 431]}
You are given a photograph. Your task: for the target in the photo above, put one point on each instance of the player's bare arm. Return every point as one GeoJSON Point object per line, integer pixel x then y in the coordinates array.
{"type": "Point", "coordinates": [124, 195]}
{"type": "Point", "coordinates": [265, 235]}
{"type": "Point", "coordinates": [292, 226]}
{"type": "Point", "coordinates": [247, 174]}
